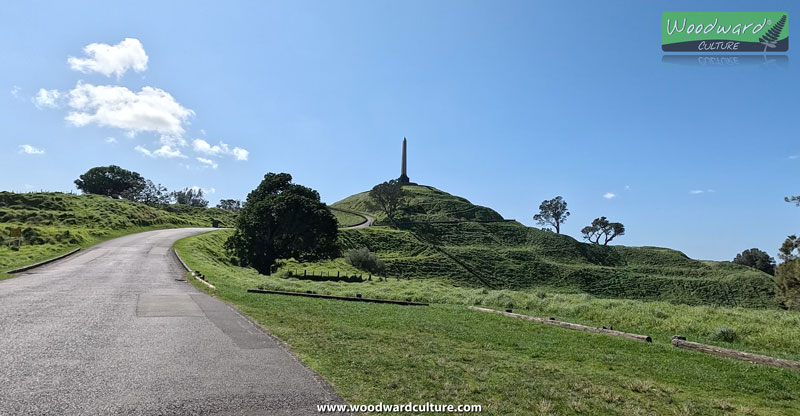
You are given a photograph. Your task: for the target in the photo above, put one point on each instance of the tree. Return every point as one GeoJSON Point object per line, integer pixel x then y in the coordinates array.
{"type": "Point", "coordinates": [233, 205]}
{"type": "Point", "coordinates": [602, 228]}
{"type": "Point", "coordinates": [192, 197]}
{"type": "Point", "coordinates": [111, 181]}
{"type": "Point", "coordinates": [787, 274]}
{"type": "Point", "coordinates": [552, 212]}
{"type": "Point", "coordinates": [756, 259]}
{"type": "Point", "coordinates": [786, 252]}
{"type": "Point", "coordinates": [387, 197]}
{"type": "Point", "coordinates": [282, 220]}
{"type": "Point", "coordinates": [154, 194]}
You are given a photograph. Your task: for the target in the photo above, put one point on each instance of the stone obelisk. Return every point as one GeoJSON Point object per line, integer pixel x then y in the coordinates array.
{"type": "Point", "coordinates": [403, 173]}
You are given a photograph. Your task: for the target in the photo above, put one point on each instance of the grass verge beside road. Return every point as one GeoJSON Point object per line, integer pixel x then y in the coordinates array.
{"type": "Point", "coordinates": [447, 354]}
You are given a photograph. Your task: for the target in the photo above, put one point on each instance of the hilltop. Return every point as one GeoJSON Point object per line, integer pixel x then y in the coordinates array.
{"type": "Point", "coordinates": [445, 236]}
{"type": "Point", "coordinates": [54, 222]}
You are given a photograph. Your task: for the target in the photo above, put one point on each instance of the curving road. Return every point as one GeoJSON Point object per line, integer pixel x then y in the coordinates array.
{"type": "Point", "coordinates": [116, 330]}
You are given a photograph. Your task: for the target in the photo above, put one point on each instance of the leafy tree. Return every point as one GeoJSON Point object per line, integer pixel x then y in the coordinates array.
{"type": "Point", "coordinates": [154, 194]}
{"type": "Point", "coordinates": [112, 181]}
{"type": "Point", "coordinates": [786, 252]}
{"type": "Point", "coordinates": [787, 274]}
{"type": "Point", "coordinates": [552, 212]}
{"type": "Point", "coordinates": [602, 228]}
{"type": "Point", "coordinates": [787, 284]}
{"type": "Point", "coordinates": [281, 219]}
{"type": "Point", "coordinates": [233, 205]}
{"type": "Point", "coordinates": [387, 197]}
{"type": "Point", "coordinates": [756, 259]}
{"type": "Point", "coordinates": [192, 197]}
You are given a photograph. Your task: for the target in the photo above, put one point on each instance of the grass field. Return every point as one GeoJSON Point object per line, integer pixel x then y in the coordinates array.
{"type": "Point", "coordinates": [448, 354]}
{"type": "Point", "coordinates": [55, 223]}
{"type": "Point", "coordinates": [346, 219]}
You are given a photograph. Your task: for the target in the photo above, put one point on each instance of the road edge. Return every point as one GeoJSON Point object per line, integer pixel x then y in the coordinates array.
{"type": "Point", "coordinates": [43, 263]}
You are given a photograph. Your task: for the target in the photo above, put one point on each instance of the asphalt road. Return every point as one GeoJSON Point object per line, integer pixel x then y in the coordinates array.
{"type": "Point", "coordinates": [116, 330]}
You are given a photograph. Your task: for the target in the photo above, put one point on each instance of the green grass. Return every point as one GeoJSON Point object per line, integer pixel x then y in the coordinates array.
{"type": "Point", "coordinates": [448, 354]}
{"type": "Point", "coordinates": [445, 236]}
{"type": "Point", "coordinates": [55, 223]}
{"type": "Point", "coordinates": [346, 219]}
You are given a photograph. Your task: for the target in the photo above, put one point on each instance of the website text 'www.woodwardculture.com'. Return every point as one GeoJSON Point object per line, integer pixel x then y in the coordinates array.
{"type": "Point", "coordinates": [400, 408]}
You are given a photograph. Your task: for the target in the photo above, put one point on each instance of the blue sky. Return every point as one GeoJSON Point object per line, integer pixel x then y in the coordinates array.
{"type": "Point", "coordinates": [505, 103]}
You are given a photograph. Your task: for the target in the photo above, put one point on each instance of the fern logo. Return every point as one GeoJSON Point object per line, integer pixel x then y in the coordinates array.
{"type": "Point", "coordinates": [724, 32]}
{"type": "Point", "coordinates": [771, 37]}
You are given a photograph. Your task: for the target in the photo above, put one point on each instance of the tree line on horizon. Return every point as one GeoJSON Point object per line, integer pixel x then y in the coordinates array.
{"type": "Point", "coordinates": [118, 183]}
{"type": "Point", "coordinates": [281, 219]}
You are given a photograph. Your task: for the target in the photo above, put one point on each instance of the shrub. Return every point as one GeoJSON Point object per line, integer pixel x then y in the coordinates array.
{"type": "Point", "coordinates": [363, 259]}
{"type": "Point", "coordinates": [726, 334]}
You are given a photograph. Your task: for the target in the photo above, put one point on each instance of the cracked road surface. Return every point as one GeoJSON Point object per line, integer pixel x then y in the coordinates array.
{"type": "Point", "coordinates": [116, 330]}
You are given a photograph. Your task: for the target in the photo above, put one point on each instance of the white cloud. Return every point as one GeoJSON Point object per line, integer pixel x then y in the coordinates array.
{"type": "Point", "coordinates": [240, 154]}
{"type": "Point", "coordinates": [202, 146]}
{"type": "Point", "coordinates": [111, 140]}
{"type": "Point", "coordinates": [609, 195]}
{"type": "Point", "coordinates": [165, 151]}
{"type": "Point", "coordinates": [208, 162]}
{"type": "Point", "coordinates": [111, 59]}
{"type": "Point", "coordinates": [46, 98]}
{"type": "Point", "coordinates": [701, 191]}
{"type": "Point", "coordinates": [150, 109]}
{"type": "Point", "coordinates": [15, 90]}
{"type": "Point", "coordinates": [28, 149]}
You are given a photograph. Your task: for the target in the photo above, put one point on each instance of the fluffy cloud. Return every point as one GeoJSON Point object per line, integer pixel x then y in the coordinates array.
{"type": "Point", "coordinates": [208, 162]}
{"type": "Point", "coordinates": [150, 109]}
{"type": "Point", "coordinates": [111, 140]}
{"type": "Point", "coordinates": [609, 195]}
{"type": "Point", "coordinates": [46, 98]}
{"type": "Point", "coordinates": [204, 147]}
{"type": "Point", "coordinates": [15, 91]}
{"type": "Point", "coordinates": [700, 191]}
{"type": "Point", "coordinates": [111, 59]}
{"type": "Point", "coordinates": [165, 151]}
{"type": "Point", "coordinates": [28, 149]}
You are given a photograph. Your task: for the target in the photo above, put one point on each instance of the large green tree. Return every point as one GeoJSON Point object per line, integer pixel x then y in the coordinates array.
{"type": "Point", "coordinates": [387, 197]}
{"type": "Point", "coordinates": [603, 229]}
{"type": "Point", "coordinates": [756, 259]}
{"type": "Point", "coordinates": [282, 220]}
{"type": "Point", "coordinates": [112, 181]}
{"type": "Point", "coordinates": [552, 212]}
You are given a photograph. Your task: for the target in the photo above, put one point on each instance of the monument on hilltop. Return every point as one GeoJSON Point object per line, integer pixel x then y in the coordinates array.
{"type": "Point", "coordinates": [403, 179]}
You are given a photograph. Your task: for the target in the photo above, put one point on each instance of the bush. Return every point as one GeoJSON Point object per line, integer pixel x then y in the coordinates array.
{"type": "Point", "coordinates": [726, 334]}
{"type": "Point", "coordinates": [363, 259]}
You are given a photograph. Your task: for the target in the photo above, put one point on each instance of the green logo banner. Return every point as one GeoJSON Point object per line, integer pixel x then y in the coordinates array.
{"type": "Point", "coordinates": [725, 32]}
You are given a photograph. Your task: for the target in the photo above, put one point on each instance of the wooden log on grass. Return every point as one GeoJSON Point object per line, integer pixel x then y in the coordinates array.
{"type": "Point", "coordinates": [568, 325]}
{"type": "Point", "coordinates": [681, 342]}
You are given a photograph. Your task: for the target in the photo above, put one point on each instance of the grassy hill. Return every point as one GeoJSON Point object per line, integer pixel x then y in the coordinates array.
{"type": "Point", "coordinates": [448, 354]}
{"type": "Point", "coordinates": [53, 223]}
{"type": "Point", "coordinates": [445, 236]}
